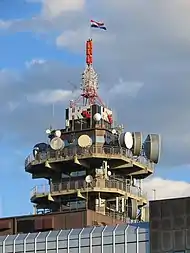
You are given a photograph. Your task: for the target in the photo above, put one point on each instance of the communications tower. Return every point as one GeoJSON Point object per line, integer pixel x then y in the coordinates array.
{"type": "Point", "coordinates": [92, 163]}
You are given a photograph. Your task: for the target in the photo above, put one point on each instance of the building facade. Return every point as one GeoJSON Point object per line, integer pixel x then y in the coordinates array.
{"type": "Point", "coordinates": [109, 239]}
{"type": "Point", "coordinates": [170, 225]}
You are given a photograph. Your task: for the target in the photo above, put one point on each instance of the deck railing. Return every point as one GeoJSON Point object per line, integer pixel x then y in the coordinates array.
{"type": "Point", "coordinates": [82, 185]}
{"type": "Point", "coordinates": [69, 152]}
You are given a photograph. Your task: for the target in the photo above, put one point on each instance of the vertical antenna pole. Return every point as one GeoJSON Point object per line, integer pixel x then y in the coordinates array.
{"type": "Point", "coordinates": [89, 52]}
{"type": "Point", "coordinates": [154, 194]}
{"type": "Point", "coordinates": [53, 113]}
{"type": "Point", "coordinates": [90, 32]}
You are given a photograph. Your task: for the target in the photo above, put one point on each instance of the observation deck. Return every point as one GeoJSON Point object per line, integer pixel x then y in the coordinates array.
{"type": "Point", "coordinates": [112, 187]}
{"type": "Point", "coordinates": [72, 158]}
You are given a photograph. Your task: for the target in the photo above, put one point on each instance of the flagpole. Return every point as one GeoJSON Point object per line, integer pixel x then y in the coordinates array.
{"type": "Point", "coordinates": [90, 32]}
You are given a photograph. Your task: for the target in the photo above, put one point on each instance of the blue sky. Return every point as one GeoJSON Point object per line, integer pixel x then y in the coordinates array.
{"type": "Point", "coordinates": [15, 184]}
{"type": "Point", "coordinates": [16, 49]}
{"type": "Point", "coordinates": [139, 63]}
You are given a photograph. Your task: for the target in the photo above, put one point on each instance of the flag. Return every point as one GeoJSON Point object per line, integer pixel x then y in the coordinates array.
{"type": "Point", "coordinates": [99, 25]}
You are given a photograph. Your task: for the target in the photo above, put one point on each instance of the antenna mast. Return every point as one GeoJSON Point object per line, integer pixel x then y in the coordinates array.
{"type": "Point", "coordinates": [89, 84]}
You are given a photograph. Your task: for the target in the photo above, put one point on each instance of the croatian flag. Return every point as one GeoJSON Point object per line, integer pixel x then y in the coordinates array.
{"type": "Point", "coordinates": [99, 25]}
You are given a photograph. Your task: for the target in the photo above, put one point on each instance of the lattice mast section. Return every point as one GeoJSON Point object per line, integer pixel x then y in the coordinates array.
{"type": "Point", "coordinates": [89, 85]}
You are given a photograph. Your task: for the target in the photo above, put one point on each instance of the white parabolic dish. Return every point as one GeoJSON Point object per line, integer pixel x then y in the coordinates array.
{"type": "Point", "coordinates": [84, 141]}
{"type": "Point", "coordinates": [58, 133]}
{"type": "Point", "coordinates": [128, 140]}
{"type": "Point", "coordinates": [89, 179]}
{"type": "Point", "coordinates": [97, 116]}
{"type": "Point", "coordinates": [56, 143]}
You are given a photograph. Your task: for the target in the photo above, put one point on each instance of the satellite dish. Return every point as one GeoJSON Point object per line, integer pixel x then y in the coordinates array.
{"type": "Point", "coordinates": [58, 133]}
{"type": "Point", "coordinates": [137, 143]}
{"type": "Point", "coordinates": [109, 173]}
{"type": "Point", "coordinates": [88, 179]}
{"type": "Point", "coordinates": [152, 146]}
{"type": "Point", "coordinates": [84, 141]}
{"type": "Point", "coordinates": [35, 151]}
{"type": "Point", "coordinates": [56, 143]}
{"type": "Point", "coordinates": [114, 131]}
{"type": "Point", "coordinates": [126, 140]}
{"type": "Point", "coordinates": [48, 131]}
{"type": "Point", "coordinates": [97, 117]}
{"type": "Point", "coordinates": [39, 147]}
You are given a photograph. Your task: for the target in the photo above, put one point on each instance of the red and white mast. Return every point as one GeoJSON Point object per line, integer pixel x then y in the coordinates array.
{"type": "Point", "coordinates": [89, 84]}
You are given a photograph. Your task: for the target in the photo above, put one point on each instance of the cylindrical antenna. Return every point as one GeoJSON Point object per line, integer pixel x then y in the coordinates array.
{"type": "Point", "coordinates": [154, 194]}
{"type": "Point", "coordinates": [53, 114]}
{"type": "Point", "coordinates": [89, 52]}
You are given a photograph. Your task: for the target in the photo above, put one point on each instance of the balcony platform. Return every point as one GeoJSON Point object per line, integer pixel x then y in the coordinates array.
{"type": "Point", "coordinates": [71, 159]}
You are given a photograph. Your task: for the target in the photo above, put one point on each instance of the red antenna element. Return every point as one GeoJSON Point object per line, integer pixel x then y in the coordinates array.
{"type": "Point", "coordinates": [89, 85]}
{"type": "Point", "coordinates": [89, 52]}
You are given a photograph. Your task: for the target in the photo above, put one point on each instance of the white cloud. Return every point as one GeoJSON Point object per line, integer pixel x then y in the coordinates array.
{"type": "Point", "coordinates": [7, 76]}
{"type": "Point", "coordinates": [75, 39]}
{"type": "Point", "coordinates": [165, 188]}
{"type": "Point", "coordinates": [126, 88]}
{"type": "Point", "coordinates": [55, 8]}
{"type": "Point", "coordinates": [34, 62]}
{"type": "Point", "coordinates": [13, 105]}
{"type": "Point", "coordinates": [4, 24]}
{"type": "Point", "coordinates": [68, 38]}
{"type": "Point", "coordinates": [46, 97]}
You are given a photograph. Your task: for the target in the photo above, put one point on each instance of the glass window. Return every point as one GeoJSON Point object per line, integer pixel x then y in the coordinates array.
{"type": "Point", "coordinates": [86, 232]}
{"type": "Point", "coordinates": [108, 239]}
{"type": "Point", "coordinates": [97, 249]}
{"type": "Point", "coordinates": [40, 245]}
{"type": "Point", "coordinates": [86, 250]}
{"type": "Point", "coordinates": [10, 239]}
{"type": "Point", "coordinates": [119, 239]}
{"type": "Point", "coordinates": [2, 238]}
{"type": "Point", "coordinates": [121, 229]}
{"type": "Point", "coordinates": [31, 237]}
{"type": "Point", "coordinates": [51, 244]}
{"type": "Point", "coordinates": [60, 251]}
{"type": "Point", "coordinates": [64, 234]}
{"type": "Point", "coordinates": [73, 250]}
{"type": "Point", "coordinates": [53, 235]}
{"type": "Point", "coordinates": [9, 248]}
{"type": "Point", "coordinates": [42, 236]}
{"type": "Point", "coordinates": [30, 246]}
{"type": "Point", "coordinates": [20, 238]}
{"type": "Point", "coordinates": [131, 247]}
{"type": "Point", "coordinates": [19, 247]}
{"type": "Point", "coordinates": [85, 242]}
{"type": "Point", "coordinates": [96, 240]}
{"type": "Point", "coordinates": [119, 248]}
{"type": "Point", "coordinates": [108, 248]}
{"type": "Point", "coordinates": [75, 233]}
{"type": "Point", "coordinates": [62, 244]}
{"type": "Point", "coordinates": [97, 231]}
{"type": "Point", "coordinates": [73, 243]}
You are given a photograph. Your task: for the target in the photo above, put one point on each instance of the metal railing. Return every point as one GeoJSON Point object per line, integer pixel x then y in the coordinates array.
{"type": "Point", "coordinates": [69, 152]}
{"type": "Point", "coordinates": [82, 185]}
